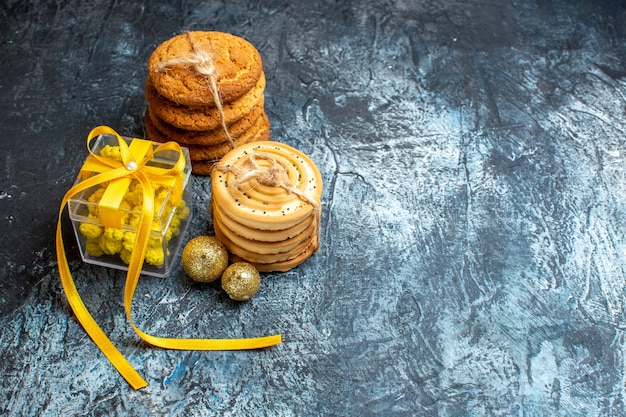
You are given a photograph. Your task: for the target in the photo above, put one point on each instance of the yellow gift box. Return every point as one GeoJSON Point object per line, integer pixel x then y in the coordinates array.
{"type": "Point", "coordinates": [105, 216]}
{"type": "Point", "coordinates": [131, 195]}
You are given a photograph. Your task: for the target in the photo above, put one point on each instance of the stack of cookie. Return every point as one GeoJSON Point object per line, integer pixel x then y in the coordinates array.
{"type": "Point", "coordinates": [205, 90]}
{"type": "Point", "coordinates": [266, 205]}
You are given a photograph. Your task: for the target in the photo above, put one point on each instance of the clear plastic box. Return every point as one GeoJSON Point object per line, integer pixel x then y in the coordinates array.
{"type": "Point", "coordinates": [111, 246]}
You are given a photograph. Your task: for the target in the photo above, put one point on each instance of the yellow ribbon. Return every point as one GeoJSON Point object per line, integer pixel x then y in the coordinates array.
{"type": "Point", "coordinates": [117, 174]}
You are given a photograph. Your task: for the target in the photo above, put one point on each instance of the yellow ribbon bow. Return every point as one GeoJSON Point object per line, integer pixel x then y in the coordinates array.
{"type": "Point", "coordinates": [118, 174]}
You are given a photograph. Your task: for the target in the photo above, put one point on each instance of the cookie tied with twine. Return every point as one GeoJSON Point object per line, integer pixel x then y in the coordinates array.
{"type": "Point", "coordinates": [207, 86]}
{"type": "Point", "coordinates": [266, 205]}
{"type": "Point", "coordinates": [192, 68]}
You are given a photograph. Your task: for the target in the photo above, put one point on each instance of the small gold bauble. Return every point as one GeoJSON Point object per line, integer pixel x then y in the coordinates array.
{"type": "Point", "coordinates": [241, 281]}
{"type": "Point", "coordinates": [204, 259]}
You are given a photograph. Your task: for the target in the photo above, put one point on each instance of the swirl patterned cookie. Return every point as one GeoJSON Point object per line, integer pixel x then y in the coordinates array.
{"type": "Point", "coordinates": [264, 258]}
{"type": "Point", "coordinates": [259, 235]}
{"type": "Point", "coordinates": [282, 266]}
{"type": "Point", "coordinates": [267, 185]}
{"type": "Point", "coordinates": [263, 190]}
{"type": "Point", "coordinates": [291, 245]}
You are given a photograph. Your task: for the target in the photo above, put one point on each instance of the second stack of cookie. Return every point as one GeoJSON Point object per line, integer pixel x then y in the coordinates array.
{"type": "Point", "coordinates": [185, 73]}
{"type": "Point", "coordinates": [266, 205]}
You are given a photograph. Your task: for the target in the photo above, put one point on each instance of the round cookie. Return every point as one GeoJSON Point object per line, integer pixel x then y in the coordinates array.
{"type": "Point", "coordinates": [259, 132]}
{"type": "Point", "coordinates": [211, 137]}
{"type": "Point", "coordinates": [258, 204]}
{"type": "Point", "coordinates": [282, 266]}
{"type": "Point", "coordinates": [176, 66]}
{"type": "Point", "coordinates": [258, 234]}
{"type": "Point", "coordinates": [203, 118]}
{"type": "Point", "coordinates": [266, 248]}
{"type": "Point", "coordinates": [263, 190]}
{"type": "Point", "coordinates": [257, 258]}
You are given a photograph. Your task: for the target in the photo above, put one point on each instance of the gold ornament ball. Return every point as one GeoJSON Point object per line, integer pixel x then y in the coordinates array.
{"type": "Point", "coordinates": [241, 281]}
{"type": "Point", "coordinates": [204, 259]}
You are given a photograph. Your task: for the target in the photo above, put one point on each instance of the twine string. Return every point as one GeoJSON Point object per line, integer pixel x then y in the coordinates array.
{"type": "Point", "coordinates": [201, 61]}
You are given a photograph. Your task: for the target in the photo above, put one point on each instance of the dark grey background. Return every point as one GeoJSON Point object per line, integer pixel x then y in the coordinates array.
{"type": "Point", "coordinates": [473, 251]}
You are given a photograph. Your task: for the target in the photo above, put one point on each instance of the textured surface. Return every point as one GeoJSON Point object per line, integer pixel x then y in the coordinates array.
{"type": "Point", "coordinates": [472, 259]}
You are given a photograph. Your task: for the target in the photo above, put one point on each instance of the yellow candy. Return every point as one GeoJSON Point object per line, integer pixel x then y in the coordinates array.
{"type": "Point", "coordinates": [129, 241]}
{"type": "Point", "coordinates": [109, 246]}
{"type": "Point", "coordinates": [93, 247]}
{"type": "Point", "coordinates": [90, 231]}
{"type": "Point", "coordinates": [112, 152]}
{"type": "Point", "coordinates": [155, 256]}
{"type": "Point", "coordinates": [125, 256]}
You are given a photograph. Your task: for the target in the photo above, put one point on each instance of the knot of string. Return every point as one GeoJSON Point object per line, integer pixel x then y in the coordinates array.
{"type": "Point", "coordinates": [201, 61]}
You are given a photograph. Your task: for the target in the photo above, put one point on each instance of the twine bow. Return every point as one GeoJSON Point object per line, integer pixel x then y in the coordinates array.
{"type": "Point", "coordinates": [133, 165]}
